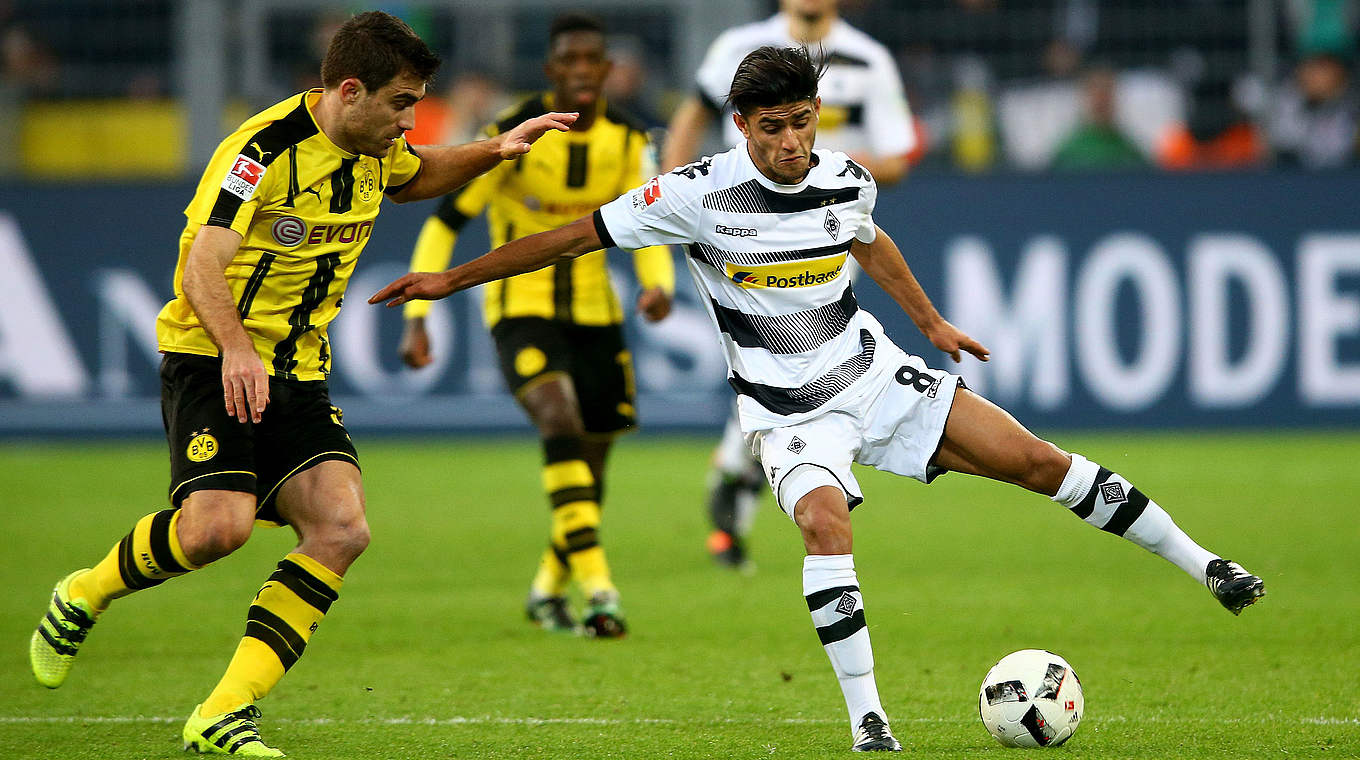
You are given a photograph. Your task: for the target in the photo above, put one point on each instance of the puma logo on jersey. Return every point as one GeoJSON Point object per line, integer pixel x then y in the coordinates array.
{"type": "Point", "coordinates": [263, 154]}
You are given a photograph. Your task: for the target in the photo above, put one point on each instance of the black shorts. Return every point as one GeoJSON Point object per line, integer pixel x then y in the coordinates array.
{"type": "Point", "coordinates": [595, 358]}
{"type": "Point", "coordinates": [210, 450]}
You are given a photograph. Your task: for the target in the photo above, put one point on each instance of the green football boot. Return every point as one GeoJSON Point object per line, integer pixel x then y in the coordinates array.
{"type": "Point", "coordinates": [52, 649]}
{"type": "Point", "coordinates": [233, 733]}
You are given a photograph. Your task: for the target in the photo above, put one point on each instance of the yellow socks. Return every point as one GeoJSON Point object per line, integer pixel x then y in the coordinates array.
{"type": "Point", "coordinates": [553, 574]}
{"type": "Point", "coordinates": [280, 622]}
{"type": "Point", "coordinates": [574, 497]}
{"type": "Point", "coordinates": [147, 556]}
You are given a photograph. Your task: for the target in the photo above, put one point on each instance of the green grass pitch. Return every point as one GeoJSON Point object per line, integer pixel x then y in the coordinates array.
{"type": "Point", "coordinates": [427, 655]}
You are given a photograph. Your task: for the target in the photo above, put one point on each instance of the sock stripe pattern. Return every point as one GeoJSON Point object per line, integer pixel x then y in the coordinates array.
{"type": "Point", "coordinates": [819, 599]}
{"type": "Point", "coordinates": [160, 542]}
{"type": "Point", "coordinates": [840, 617]}
{"type": "Point", "coordinates": [265, 626]}
{"type": "Point", "coordinates": [310, 590]}
{"type": "Point", "coordinates": [575, 498]}
{"type": "Point", "coordinates": [145, 558]}
{"type": "Point", "coordinates": [581, 539]}
{"type": "Point", "coordinates": [128, 569]}
{"type": "Point", "coordinates": [287, 609]}
{"type": "Point", "coordinates": [1112, 504]}
{"type": "Point", "coordinates": [572, 492]}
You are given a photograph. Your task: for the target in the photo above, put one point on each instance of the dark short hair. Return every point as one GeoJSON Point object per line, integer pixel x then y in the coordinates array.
{"type": "Point", "coordinates": [375, 48]}
{"type": "Point", "coordinates": [573, 22]}
{"type": "Point", "coordinates": [771, 76]}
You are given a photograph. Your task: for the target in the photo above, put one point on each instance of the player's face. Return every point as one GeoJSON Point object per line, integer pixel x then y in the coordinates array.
{"type": "Point", "coordinates": [375, 119]}
{"type": "Point", "coordinates": [779, 139]}
{"type": "Point", "coordinates": [577, 68]}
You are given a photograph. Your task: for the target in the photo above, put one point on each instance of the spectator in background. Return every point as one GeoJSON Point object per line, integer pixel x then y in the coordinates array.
{"type": "Point", "coordinates": [25, 63]}
{"type": "Point", "coordinates": [26, 69]}
{"type": "Point", "coordinates": [1219, 134]}
{"type": "Point", "coordinates": [1314, 123]}
{"type": "Point", "coordinates": [1098, 143]}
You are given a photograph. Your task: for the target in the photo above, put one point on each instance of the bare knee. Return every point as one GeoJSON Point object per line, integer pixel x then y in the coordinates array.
{"type": "Point", "coordinates": [558, 421]}
{"type": "Point", "coordinates": [337, 544]}
{"type": "Point", "coordinates": [352, 538]}
{"type": "Point", "coordinates": [1045, 466]}
{"type": "Point", "coordinates": [212, 526]}
{"type": "Point", "coordinates": [824, 519]}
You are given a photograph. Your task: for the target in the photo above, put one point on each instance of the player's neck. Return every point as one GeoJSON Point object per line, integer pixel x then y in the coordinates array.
{"type": "Point", "coordinates": [326, 112]}
{"type": "Point", "coordinates": [810, 29]}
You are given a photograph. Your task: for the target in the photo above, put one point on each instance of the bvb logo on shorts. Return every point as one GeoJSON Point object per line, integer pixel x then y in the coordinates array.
{"type": "Point", "coordinates": [202, 447]}
{"type": "Point", "coordinates": [366, 185]}
{"type": "Point", "coordinates": [530, 361]}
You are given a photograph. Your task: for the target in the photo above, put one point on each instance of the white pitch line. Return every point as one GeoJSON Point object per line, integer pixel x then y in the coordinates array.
{"type": "Point", "coordinates": [493, 720]}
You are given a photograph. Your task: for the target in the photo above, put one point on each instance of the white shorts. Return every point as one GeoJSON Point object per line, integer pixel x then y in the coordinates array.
{"type": "Point", "coordinates": [895, 427]}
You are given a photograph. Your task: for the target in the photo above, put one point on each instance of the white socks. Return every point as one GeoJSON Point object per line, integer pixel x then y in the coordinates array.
{"type": "Point", "coordinates": [837, 607]}
{"type": "Point", "coordinates": [1109, 502]}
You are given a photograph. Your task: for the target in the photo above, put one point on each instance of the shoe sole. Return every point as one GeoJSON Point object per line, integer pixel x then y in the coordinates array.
{"type": "Point", "coordinates": [1257, 591]}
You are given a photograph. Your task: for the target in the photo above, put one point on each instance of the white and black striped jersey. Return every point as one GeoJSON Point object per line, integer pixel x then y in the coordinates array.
{"type": "Point", "coordinates": [863, 106]}
{"type": "Point", "coordinates": [769, 260]}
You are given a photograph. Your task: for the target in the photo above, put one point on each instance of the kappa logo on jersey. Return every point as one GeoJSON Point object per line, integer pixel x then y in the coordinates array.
{"type": "Point", "coordinates": [723, 229]}
{"type": "Point", "coordinates": [794, 274]}
{"type": "Point", "coordinates": [1113, 493]}
{"type": "Point", "coordinates": [244, 177]}
{"type": "Point", "coordinates": [690, 171]}
{"type": "Point", "coordinates": [854, 170]}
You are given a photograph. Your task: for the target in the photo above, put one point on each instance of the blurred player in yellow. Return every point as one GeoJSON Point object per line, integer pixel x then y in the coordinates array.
{"type": "Point", "coordinates": [282, 213]}
{"type": "Point", "coordinates": [558, 331]}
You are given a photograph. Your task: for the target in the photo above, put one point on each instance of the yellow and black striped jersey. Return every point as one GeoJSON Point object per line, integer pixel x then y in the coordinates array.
{"type": "Point", "coordinates": [305, 209]}
{"type": "Point", "coordinates": [566, 176]}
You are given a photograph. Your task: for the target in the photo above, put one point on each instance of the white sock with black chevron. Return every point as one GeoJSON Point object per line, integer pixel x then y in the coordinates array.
{"type": "Point", "coordinates": [1108, 501]}
{"type": "Point", "coordinates": [837, 606]}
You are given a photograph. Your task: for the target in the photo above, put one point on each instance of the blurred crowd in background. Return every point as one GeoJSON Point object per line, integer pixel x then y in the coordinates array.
{"type": "Point", "coordinates": [995, 85]}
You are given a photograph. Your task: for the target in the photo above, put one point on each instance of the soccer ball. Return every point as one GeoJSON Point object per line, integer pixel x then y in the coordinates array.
{"type": "Point", "coordinates": [1032, 698]}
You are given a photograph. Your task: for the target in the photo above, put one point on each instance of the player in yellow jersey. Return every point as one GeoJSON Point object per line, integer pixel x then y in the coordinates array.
{"type": "Point", "coordinates": [283, 210]}
{"type": "Point", "coordinates": [558, 330]}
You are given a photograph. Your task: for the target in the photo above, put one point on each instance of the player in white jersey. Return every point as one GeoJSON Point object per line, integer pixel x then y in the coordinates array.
{"type": "Point", "coordinates": [864, 114]}
{"type": "Point", "coordinates": [768, 226]}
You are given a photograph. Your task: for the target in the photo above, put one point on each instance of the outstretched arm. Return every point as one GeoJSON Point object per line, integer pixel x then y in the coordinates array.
{"type": "Point", "coordinates": [883, 261]}
{"type": "Point", "coordinates": [445, 168]}
{"type": "Point", "coordinates": [516, 257]}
